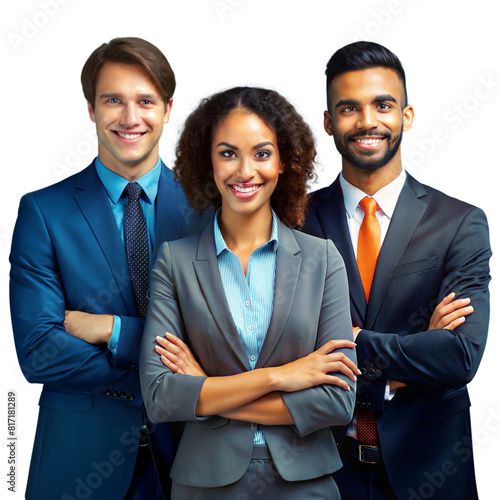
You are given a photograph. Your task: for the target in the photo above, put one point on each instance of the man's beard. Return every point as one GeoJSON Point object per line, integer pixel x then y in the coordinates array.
{"type": "Point", "coordinates": [368, 161]}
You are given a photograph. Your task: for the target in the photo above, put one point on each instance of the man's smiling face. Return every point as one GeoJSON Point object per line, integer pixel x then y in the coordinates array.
{"type": "Point", "coordinates": [129, 114]}
{"type": "Point", "coordinates": [367, 116]}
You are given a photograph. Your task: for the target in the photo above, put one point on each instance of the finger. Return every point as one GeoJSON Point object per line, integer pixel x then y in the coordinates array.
{"type": "Point", "coordinates": [442, 311]}
{"type": "Point", "coordinates": [337, 366]}
{"type": "Point", "coordinates": [335, 344]}
{"type": "Point", "coordinates": [171, 366]}
{"type": "Point", "coordinates": [181, 346]}
{"type": "Point", "coordinates": [177, 341]}
{"type": "Point", "coordinates": [341, 357]}
{"type": "Point", "coordinates": [169, 346]}
{"type": "Point", "coordinates": [454, 324]}
{"type": "Point", "coordinates": [333, 380]}
{"type": "Point", "coordinates": [449, 318]}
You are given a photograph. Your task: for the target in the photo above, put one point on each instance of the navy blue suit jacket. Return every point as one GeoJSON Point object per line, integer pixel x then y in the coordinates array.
{"type": "Point", "coordinates": [67, 253]}
{"type": "Point", "coordinates": [435, 245]}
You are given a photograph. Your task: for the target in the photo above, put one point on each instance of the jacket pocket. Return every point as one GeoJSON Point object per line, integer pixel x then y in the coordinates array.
{"type": "Point", "coordinates": [66, 400]}
{"type": "Point", "coordinates": [417, 266]}
{"type": "Point", "coordinates": [449, 404]}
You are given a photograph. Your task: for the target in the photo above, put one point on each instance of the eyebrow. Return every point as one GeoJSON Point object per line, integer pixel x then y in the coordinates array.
{"type": "Point", "coordinates": [355, 102]}
{"type": "Point", "coordinates": [120, 96]}
{"type": "Point", "coordinates": [257, 146]}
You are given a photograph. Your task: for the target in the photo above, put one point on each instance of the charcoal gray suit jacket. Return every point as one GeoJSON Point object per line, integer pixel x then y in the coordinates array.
{"type": "Point", "coordinates": [311, 306]}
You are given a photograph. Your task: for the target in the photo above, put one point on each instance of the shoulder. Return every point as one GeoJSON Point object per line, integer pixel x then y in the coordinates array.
{"type": "Point", "coordinates": [323, 194]}
{"type": "Point", "coordinates": [315, 249]}
{"type": "Point", "coordinates": [177, 253]}
{"type": "Point", "coordinates": [448, 207]}
{"type": "Point", "coordinates": [58, 196]}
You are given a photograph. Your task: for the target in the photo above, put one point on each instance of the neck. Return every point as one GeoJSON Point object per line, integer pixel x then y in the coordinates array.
{"type": "Point", "coordinates": [130, 172]}
{"type": "Point", "coordinates": [371, 181]}
{"type": "Point", "coordinates": [245, 232]}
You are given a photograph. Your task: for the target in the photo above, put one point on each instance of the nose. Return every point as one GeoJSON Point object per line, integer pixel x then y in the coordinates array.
{"type": "Point", "coordinates": [367, 119]}
{"type": "Point", "coordinates": [129, 117]}
{"type": "Point", "coordinates": [246, 169]}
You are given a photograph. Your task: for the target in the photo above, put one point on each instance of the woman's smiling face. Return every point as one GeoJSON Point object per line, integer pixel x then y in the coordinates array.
{"type": "Point", "coordinates": [246, 162]}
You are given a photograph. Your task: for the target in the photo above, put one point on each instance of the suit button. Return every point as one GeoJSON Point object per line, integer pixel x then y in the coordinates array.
{"type": "Point", "coordinates": [371, 373]}
{"type": "Point", "coordinates": [114, 393]}
{"type": "Point", "coordinates": [363, 371]}
{"type": "Point", "coordinates": [378, 373]}
{"type": "Point", "coordinates": [106, 392]}
{"type": "Point", "coordinates": [130, 397]}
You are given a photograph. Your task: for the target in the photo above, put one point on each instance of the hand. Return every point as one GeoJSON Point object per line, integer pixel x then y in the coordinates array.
{"type": "Point", "coordinates": [315, 368]}
{"type": "Point", "coordinates": [177, 356]}
{"type": "Point", "coordinates": [394, 384]}
{"type": "Point", "coordinates": [92, 328]}
{"type": "Point", "coordinates": [450, 313]}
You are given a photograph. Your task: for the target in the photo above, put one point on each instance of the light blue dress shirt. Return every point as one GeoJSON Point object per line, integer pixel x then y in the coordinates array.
{"type": "Point", "coordinates": [114, 185]}
{"type": "Point", "coordinates": [250, 297]}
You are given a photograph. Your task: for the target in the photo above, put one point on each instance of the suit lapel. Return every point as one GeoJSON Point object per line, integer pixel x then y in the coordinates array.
{"type": "Point", "coordinates": [407, 215]}
{"type": "Point", "coordinates": [332, 217]}
{"type": "Point", "coordinates": [170, 208]}
{"type": "Point", "coordinates": [209, 279]}
{"type": "Point", "coordinates": [92, 199]}
{"type": "Point", "coordinates": [288, 264]}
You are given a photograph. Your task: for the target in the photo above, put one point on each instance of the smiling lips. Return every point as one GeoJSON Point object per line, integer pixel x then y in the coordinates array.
{"type": "Point", "coordinates": [245, 190]}
{"type": "Point", "coordinates": [368, 142]}
{"type": "Point", "coordinates": [129, 137]}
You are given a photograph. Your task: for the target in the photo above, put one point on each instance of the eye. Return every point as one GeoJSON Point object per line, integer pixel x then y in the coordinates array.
{"type": "Point", "coordinates": [146, 102]}
{"type": "Point", "coordinates": [113, 100]}
{"type": "Point", "coordinates": [384, 106]}
{"type": "Point", "coordinates": [264, 154]}
{"type": "Point", "coordinates": [227, 153]}
{"type": "Point", "coordinates": [348, 109]}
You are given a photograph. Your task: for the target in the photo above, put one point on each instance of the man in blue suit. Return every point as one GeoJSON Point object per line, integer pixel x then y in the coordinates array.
{"type": "Point", "coordinates": [77, 314]}
{"type": "Point", "coordinates": [420, 311]}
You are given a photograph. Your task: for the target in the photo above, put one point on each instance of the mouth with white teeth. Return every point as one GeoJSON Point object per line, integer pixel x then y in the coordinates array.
{"type": "Point", "coordinates": [130, 137]}
{"type": "Point", "coordinates": [245, 190]}
{"type": "Point", "coordinates": [368, 143]}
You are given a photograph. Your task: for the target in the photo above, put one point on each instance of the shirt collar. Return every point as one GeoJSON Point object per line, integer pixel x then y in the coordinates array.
{"type": "Point", "coordinates": [386, 198]}
{"type": "Point", "coordinates": [220, 244]}
{"type": "Point", "coordinates": [115, 184]}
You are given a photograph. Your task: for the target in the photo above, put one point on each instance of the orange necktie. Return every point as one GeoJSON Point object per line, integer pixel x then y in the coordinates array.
{"type": "Point", "coordinates": [368, 243]}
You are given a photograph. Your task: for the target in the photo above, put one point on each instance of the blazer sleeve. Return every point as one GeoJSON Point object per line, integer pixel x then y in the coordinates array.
{"type": "Point", "coordinates": [47, 353]}
{"type": "Point", "coordinates": [327, 405]}
{"type": "Point", "coordinates": [168, 397]}
{"type": "Point", "coordinates": [440, 357]}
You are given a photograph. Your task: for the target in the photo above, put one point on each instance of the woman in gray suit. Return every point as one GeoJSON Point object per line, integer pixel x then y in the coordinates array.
{"type": "Point", "coordinates": [258, 357]}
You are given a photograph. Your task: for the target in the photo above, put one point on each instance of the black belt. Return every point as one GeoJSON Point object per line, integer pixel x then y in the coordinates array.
{"type": "Point", "coordinates": [365, 453]}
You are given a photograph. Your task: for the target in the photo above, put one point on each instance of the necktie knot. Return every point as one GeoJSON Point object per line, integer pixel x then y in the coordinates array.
{"type": "Point", "coordinates": [133, 191]}
{"type": "Point", "coordinates": [368, 205]}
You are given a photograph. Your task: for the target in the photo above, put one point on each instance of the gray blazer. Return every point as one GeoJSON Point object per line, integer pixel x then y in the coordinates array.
{"type": "Point", "coordinates": [310, 307]}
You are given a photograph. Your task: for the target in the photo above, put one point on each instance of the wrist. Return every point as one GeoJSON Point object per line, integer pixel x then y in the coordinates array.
{"type": "Point", "coordinates": [274, 378]}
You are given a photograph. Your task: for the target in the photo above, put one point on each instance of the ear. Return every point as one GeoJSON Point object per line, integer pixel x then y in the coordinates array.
{"type": "Point", "coordinates": [408, 116]}
{"type": "Point", "coordinates": [168, 109]}
{"type": "Point", "coordinates": [327, 122]}
{"type": "Point", "coordinates": [91, 111]}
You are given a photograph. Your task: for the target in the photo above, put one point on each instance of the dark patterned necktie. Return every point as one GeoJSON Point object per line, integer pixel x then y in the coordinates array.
{"type": "Point", "coordinates": [137, 246]}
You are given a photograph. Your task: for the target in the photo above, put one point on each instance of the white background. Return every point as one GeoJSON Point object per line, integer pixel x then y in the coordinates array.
{"type": "Point", "coordinates": [450, 53]}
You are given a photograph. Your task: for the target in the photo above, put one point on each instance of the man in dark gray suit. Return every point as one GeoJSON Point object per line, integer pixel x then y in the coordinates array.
{"type": "Point", "coordinates": [410, 437]}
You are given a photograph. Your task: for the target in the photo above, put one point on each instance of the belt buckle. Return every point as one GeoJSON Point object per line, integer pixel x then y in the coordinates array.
{"type": "Point", "coordinates": [360, 453]}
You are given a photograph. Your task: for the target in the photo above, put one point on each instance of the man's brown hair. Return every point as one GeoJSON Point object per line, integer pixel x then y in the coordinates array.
{"type": "Point", "coordinates": [129, 50]}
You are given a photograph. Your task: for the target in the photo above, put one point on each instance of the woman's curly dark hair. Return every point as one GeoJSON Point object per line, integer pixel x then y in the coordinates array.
{"type": "Point", "coordinates": [193, 165]}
